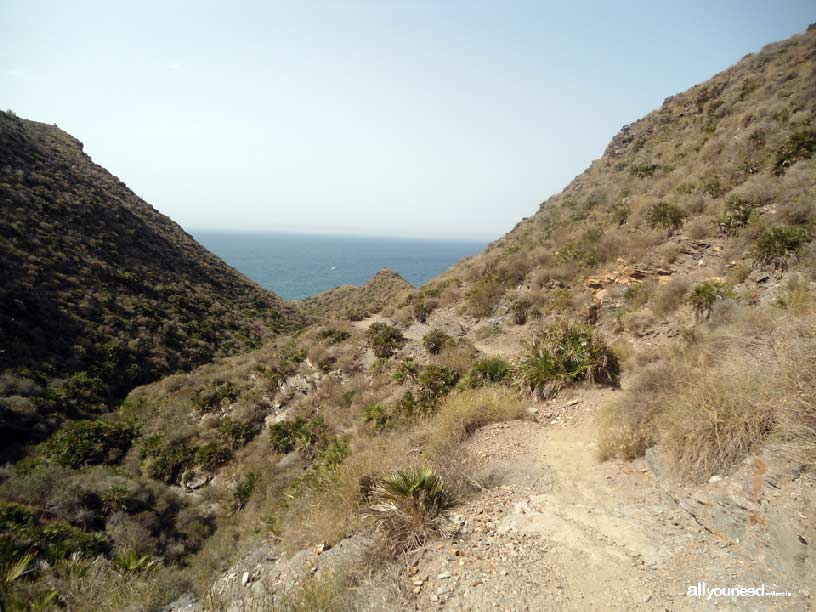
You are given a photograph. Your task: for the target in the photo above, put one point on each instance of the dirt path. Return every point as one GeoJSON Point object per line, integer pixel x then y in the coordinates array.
{"type": "Point", "coordinates": [556, 530]}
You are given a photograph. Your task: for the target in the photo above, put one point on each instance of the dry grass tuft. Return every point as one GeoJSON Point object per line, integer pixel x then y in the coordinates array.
{"type": "Point", "coordinates": [468, 410]}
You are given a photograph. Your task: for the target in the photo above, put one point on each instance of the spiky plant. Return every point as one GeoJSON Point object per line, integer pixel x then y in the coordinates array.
{"type": "Point", "coordinates": [564, 353]}
{"type": "Point", "coordinates": [705, 294]}
{"type": "Point", "coordinates": [777, 246]}
{"type": "Point", "coordinates": [10, 573]}
{"type": "Point", "coordinates": [410, 507]}
{"type": "Point", "coordinates": [489, 371]}
{"type": "Point", "coordinates": [130, 561]}
{"type": "Point", "coordinates": [435, 340]}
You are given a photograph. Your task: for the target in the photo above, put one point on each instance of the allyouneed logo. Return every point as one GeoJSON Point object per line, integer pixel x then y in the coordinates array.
{"type": "Point", "coordinates": [701, 589]}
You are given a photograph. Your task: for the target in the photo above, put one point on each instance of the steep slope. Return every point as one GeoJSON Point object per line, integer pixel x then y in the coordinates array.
{"type": "Point", "coordinates": [719, 165]}
{"type": "Point", "coordinates": [100, 291]}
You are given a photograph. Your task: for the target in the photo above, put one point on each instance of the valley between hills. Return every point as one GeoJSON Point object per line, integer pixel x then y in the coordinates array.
{"type": "Point", "coordinates": [612, 403]}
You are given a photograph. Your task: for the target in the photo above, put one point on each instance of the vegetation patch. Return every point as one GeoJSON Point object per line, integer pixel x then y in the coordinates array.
{"type": "Point", "coordinates": [666, 215]}
{"type": "Point", "coordinates": [704, 295]}
{"type": "Point", "coordinates": [22, 531]}
{"type": "Point", "coordinates": [489, 371]}
{"type": "Point", "coordinates": [565, 353]}
{"type": "Point", "coordinates": [800, 145]}
{"type": "Point", "coordinates": [215, 395]}
{"type": "Point", "coordinates": [465, 411]}
{"type": "Point", "coordinates": [80, 443]}
{"type": "Point", "coordinates": [777, 246]}
{"type": "Point", "coordinates": [436, 340]}
{"type": "Point", "coordinates": [298, 434]}
{"type": "Point", "coordinates": [409, 507]}
{"type": "Point", "coordinates": [384, 339]}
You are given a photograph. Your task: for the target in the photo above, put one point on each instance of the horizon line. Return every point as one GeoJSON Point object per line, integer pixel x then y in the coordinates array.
{"type": "Point", "coordinates": [341, 234]}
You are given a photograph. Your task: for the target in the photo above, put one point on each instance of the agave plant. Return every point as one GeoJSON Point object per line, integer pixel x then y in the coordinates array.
{"type": "Point", "coordinates": [410, 507]}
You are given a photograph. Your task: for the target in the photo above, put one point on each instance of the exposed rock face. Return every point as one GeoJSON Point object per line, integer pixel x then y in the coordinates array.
{"type": "Point", "coordinates": [264, 576]}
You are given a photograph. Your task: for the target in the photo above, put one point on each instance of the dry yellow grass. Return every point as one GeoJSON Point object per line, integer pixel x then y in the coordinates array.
{"type": "Point", "coordinates": [468, 410]}
{"type": "Point", "coordinates": [722, 396]}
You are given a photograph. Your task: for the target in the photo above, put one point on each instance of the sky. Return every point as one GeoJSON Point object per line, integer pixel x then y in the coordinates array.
{"type": "Point", "coordinates": [444, 118]}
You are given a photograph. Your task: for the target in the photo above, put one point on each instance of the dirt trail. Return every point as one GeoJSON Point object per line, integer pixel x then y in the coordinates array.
{"type": "Point", "coordinates": [555, 529]}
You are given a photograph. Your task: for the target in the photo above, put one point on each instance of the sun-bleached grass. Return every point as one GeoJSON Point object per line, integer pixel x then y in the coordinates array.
{"type": "Point", "coordinates": [710, 403]}
{"type": "Point", "coordinates": [466, 411]}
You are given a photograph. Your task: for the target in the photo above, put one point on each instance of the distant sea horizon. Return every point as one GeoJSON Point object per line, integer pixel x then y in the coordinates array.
{"type": "Point", "coordinates": [296, 266]}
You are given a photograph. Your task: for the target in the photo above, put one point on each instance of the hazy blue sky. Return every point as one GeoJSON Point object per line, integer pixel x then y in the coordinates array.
{"type": "Point", "coordinates": [405, 118]}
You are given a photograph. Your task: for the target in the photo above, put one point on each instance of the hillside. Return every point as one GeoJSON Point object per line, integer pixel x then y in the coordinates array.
{"type": "Point", "coordinates": [612, 403]}
{"type": "Point", "coordinates": [350, 302]}
{"type": "Point", "coordinates": [100, 291]}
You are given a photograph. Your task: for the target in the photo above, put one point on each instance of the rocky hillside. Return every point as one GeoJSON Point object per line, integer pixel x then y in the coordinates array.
{"type": "Point", "coordinates": [716, 181]}
{"type": "Point", "coordinates": [354, 303]}
{"type": "Point", "coordinates": [101, 292]}
{"type": "Point", "coordinates": [613, 402]}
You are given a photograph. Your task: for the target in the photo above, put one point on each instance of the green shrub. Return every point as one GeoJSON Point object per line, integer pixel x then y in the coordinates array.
{"type": "Point", "coordinates": [298, 434]}
{"type": "Point", "coordinates": [332, 335]}
{"type": "Point", "coordinates": [736, 215]}
{"type": "Point", "coordinates": [711, 186]}
{"type": "Point", "coordinates": [215, 395]}
{"type": "Point", "coordinates": [120, 499]}
{"type": "Point", "coordinates": [643, 170]}
{"type": "Point", "coordinates": [166, 460]}
{"type": "Point", "coordinates": [489, 371]}
{"type": "Point", "coordinates": [131, 561]}
{"type": "Point", "coordinates": [384, 339]}
{"type": "Point", "coordinates": [436, 340]}
{"type": "Point", "coordinates": [666, 215]}
{"type": "Point", "coordinates": [435, 382]}
{"type": "Point", "coordinates": [800, 145]}
{"type": "Point", "coordinates": [520, 310]}
{"type": "Point", "coordinates": [237, 432]}
{"type": "Point", "coordinates": [778, 245]}
{"type": "Point", "coordinates": [410, 507]}
{"type": "Point", "coordinates": [22, 531]}
{"type": "Point", "coordinates": [422, 310]}
{"type": "Point", "coordinates": [243, 491]}
{"type": "Point", "coordinates": [212, 454]}
{"type": "Point", "coordinates": [565, 353]}
{"type": "Point", "coordinates": [705, 294]}
{"type": "Point", "coordinates": [79, 443]}
{"type": "Point", "coordinates": [406, 370]}
{"type": "Point", "coordinates": [377, 414]}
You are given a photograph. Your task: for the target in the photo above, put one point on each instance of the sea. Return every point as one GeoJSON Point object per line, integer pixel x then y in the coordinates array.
{"type": "Point", "coordinates": [296, 266]}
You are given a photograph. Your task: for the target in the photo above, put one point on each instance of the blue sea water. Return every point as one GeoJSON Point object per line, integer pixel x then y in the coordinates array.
{"type": "Point", "coordinates": [300, 265]}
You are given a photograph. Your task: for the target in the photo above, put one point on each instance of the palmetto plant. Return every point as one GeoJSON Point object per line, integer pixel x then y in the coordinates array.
{"type": "Point", "coordinates": [11, 572]}
{"type": "Point", "coordinates": [704, 295]}
{"type": "Point", "coordinates": [564, 353]}
{"type": "Point", "coordinates": [410, 506]}
{"type": "Point", "coordinates": [131, 561]}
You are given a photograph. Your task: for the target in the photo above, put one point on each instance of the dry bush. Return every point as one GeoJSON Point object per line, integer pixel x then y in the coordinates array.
{"type": "Point", "coordinates": [669, 296]}
{"type": "Point", "coordinates": [718, 415]}
{"type": "Point", "coordinates": [638, 322]}
{"type": "Point", "coordinates": [329, 513]}
{"type": "Point", "coordinates": [719, 397]}
{"type": "Point", "coordinates": [457, 356]}
{"type": "Point", "coordinates": [465, 411]}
